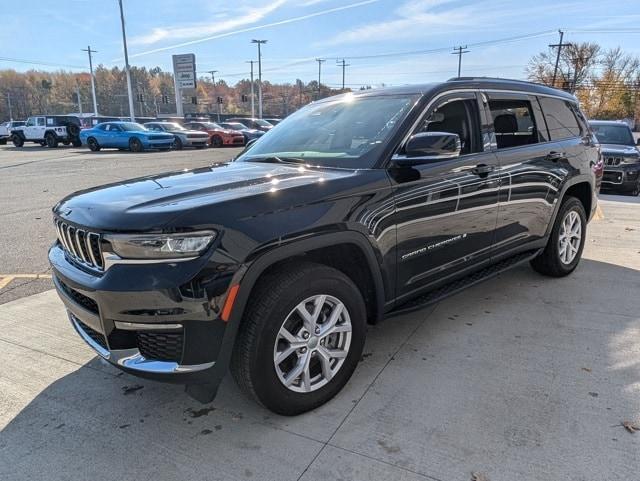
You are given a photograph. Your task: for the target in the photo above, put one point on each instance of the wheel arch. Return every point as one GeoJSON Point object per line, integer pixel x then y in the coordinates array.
{"type": "Point", "coordinates": [581, 187]}
{"type": "Point", "coordinates": [310, 249]}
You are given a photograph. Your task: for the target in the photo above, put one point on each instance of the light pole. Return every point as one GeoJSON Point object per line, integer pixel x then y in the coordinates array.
{"type": "Point", "coordinates": [132, 113]}
{"type": "Point", "coordinates": [253, 107]}
{"type": "Point", "coordinates": [93, 82]}
{"type": "Point", "coordinates": [319, 60]}
{"type": "Point", "coordinates": [259, 42]}
{"type": "Point", "coordinates": [9, 103]}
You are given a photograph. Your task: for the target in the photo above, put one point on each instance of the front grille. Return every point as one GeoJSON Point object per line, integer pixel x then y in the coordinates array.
{"type": "Point", "coordinates": [612, 177]}
{"type": "Point", "coordinates": [198, 136]}
{"type": "Point", "coordinates": [161, 346]}
{"type": "Point", "coordinates": [86, 302]}
{"type": "Point", "coordinates": [81, 245]}
{"type": "Point", "coordinates": [96, 336]}
{"type": "Point", "coordinates": [612, 160]}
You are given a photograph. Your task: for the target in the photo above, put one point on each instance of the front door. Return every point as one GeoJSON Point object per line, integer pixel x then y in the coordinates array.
{"type": "Point", "coordinates": [446, 209]}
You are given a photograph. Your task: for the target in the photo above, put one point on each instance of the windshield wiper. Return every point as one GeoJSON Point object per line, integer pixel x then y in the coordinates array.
{"type": "Point", "coordinates": [275, 158]}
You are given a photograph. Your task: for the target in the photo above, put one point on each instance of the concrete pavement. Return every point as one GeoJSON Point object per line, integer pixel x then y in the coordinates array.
{"type": "Point", "coordinates": [519, 378]}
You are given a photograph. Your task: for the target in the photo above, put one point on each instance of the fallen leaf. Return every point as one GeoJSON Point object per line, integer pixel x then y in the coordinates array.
{"type": "Point", "coordinates": [479, 477]}
{"type": "Point", "coordinates": [586, 369]}
{"type": "Point", "coordinates": [630, 426]}
{"type": "Point", "coordinates": [628, 229]}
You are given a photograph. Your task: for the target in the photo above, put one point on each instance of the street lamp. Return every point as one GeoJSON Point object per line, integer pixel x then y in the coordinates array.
{"type": "Point", "coordinates": [132, 113]}
{"type": "Point", "coordinates": [259, 42]}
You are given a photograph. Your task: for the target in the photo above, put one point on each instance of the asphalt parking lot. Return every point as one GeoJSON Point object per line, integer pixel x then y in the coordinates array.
{"type": "Point", "coordinates": [34, 178]}
{"type": "Point", "coordinates": [519, 378]}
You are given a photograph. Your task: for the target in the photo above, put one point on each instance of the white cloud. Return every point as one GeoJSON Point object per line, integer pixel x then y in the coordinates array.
{"type": "Point", "coordinates": [252, 15]}
{"type": "Point", "coordinates": [412, 19]}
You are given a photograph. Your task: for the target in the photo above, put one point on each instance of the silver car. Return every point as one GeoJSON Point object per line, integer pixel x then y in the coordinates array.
{"type": "Point", "coordinates": [183, 137]}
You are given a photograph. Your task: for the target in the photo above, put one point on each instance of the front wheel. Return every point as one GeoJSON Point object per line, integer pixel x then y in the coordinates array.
{"type": "Point", "coordinates": [216, 141]}
{"type": "Point", "coordinates": [135, 145]}
{"type": "Point", "coordinates": [636, 190]}
{"type": "Point", "coordinates": [301, 339]}
{"type": "Point", "coordinates": [17, 141]}
{"type": "Point", "coordinates": [177, 143]}
{"type": "Point", "coordinates": [564, 248]}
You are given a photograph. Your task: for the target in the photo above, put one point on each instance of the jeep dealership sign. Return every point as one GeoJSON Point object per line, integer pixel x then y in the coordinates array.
{"type": "Point", "coordinates": [184, 74]}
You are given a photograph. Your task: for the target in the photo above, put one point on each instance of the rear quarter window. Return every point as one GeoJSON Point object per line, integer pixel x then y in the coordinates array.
{"type": "Point", "coordinates": [560, 117]}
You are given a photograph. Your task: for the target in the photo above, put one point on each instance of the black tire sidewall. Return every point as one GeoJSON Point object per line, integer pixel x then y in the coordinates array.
{"type": "Point", "coordinates": [270, 391]}
{"type": "Point", "coordinates": [216, 141]}
{"type": "Point", "coordinates": [50, 140]}
{"type": "Point", "coordinates": [17, 141]}
{"type": "Point", "coordinates": [177, 144]}
{"type": "Point", "coordinates": [135, 145]}
{"type": "Point", "coordinates": [93, 144]}
{"type": "Point", "coordinates": [571, 204]}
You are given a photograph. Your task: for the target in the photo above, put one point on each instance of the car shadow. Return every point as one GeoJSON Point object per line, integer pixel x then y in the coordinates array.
{"type": "Point", "coordinates": [94, 422]}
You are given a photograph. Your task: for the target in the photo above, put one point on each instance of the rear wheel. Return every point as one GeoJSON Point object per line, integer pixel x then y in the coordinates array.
{"type": "Point", "coordinates": [135, 145]}
{"type": "Point", "coordinates": [93, 144]}
{"type": "Point", "coordinates": [564, 248]}
{"type": "Point", "coordinates": [302, 338]}
{"type": "Point", "coordinates": [51, 140]}
{"type": "Point", "coordinates": [216, 141]}
{"type": "Point", "coordinates": [636, 190]}
{"type": "Point", "coordinates": [17, 141]}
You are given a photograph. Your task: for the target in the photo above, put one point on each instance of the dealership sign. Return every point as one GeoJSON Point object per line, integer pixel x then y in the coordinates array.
{"type": "Point", "coordinates": [184, 70]}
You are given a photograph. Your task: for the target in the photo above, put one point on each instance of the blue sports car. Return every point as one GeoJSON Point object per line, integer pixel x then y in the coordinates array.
{"type": "Point", "coordinates": [125, 135]}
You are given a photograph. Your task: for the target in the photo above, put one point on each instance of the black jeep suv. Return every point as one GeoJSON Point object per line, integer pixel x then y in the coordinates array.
{"type": "Point", "coordinates": [356, 206]}
{"type": "Point", "coordinates": [621, 156]}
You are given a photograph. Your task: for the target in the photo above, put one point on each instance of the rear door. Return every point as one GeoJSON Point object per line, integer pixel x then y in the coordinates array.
{"type": "Point", "coordinates": [446, 209]}
{"type": "Point", "coordinates": [530, 169]}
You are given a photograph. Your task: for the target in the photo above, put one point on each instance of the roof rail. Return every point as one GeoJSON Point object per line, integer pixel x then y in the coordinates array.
{"type": "Point", "coordinates": [453, 79]}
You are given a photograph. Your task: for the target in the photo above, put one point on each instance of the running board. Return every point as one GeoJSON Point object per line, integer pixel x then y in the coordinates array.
{"type": "Point", "coordinates": [458, 285]}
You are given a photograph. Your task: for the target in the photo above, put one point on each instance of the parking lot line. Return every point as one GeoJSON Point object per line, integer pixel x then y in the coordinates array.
{"type": "Point", "coordinates": [5, 279]}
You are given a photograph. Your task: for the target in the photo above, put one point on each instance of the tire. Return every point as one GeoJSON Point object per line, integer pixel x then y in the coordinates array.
{"type": "Point", "coordinates": [76, 143]}
{"type": "Point", "coordinates": [3, 142]}
{"type": "Point", "coordinates": [273, 306]}
{"type": "Point", "coordinates": [177, 144]}
{"type": "Point", "coordinates": [93, 144]}
{"type": "Point", "coordinates": [51, 140]}
{"type": "Point", "coordinates": [551, 261]}
{"type": "Point", "coordinates": [66, 142]}
{"type": "Point", "coordinates": [636, 191]}
{"type": "Point", "coordinates": [216, 141]}
{"type": "Point", "coordinates": [17, 141]}
{"type": "Point", "coordinates": [135, 145]}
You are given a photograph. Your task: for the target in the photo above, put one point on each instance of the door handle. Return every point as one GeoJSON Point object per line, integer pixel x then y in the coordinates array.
{"type": "Point", "coordinates": [482, 170]}
{"type": "Point", "coordinates": [555, 156]}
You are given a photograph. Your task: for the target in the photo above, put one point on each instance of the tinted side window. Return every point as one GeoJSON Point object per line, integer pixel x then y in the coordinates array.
{"type": "Point", "coordinates": [561, 120]}
{"type": "Point", "coordinates": [459, 117]}
{"type": "Point", "coordinates": [514, 123]}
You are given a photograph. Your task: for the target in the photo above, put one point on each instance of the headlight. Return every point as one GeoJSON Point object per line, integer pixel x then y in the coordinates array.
{"type": "Point", "coordinates": [161, 246]}
{"type": "Point", "coordinates": [630, 160]}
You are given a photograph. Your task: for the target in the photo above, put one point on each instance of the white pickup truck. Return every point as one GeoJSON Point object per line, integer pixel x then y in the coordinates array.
{"type": "Point", "coordinates": [49, 130]}
{"type": "Point", "coordinates": [5, 130]}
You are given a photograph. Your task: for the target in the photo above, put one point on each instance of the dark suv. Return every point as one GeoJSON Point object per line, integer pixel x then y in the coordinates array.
{"type": "Point", "coordinates": [621, 156]}
{"type": "Point", "coordinates": [356, 207]}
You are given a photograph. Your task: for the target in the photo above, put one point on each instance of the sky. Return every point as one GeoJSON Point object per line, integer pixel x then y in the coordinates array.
{"type": "Point", "coordinates": [391, 42]}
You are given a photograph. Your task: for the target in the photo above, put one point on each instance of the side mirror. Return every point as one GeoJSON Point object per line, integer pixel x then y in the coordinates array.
{"type": "Point", "coordinates": [426, 146]}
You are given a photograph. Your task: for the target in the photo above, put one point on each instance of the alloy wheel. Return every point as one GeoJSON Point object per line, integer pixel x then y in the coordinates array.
{"type": "Point", "coordinates": [312, 343]}
{"type": "Point", "coordinates": [570, 237]}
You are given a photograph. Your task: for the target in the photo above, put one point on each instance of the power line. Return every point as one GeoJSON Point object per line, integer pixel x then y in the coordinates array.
{"type": "Point", "coordinates": [39, 62]}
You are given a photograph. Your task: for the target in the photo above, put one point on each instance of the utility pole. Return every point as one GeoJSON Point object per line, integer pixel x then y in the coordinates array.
{"type": "Point", "coordinates": [78, 98]}
{"type": "Point", "coordinates": [559, 47]}
{"type": "Point", "coordinates": [459, 51]}
{"type": "Point", "coordinates": [344, 65]}
{"type": "Point", "coordinates": [253, 107]}
{"type": "Point", "coordinates": [132, 113]}
{"type": "Point", "coordinates": [259, 42]}
{"type": "Point", "coordinates": [213, 80]}
{"type": "Point", "coordinates": [93, 82]}
{"type": "Point", "coordinates": [320, 61]}
{"type": "Point", "coordinates": [9, 104]}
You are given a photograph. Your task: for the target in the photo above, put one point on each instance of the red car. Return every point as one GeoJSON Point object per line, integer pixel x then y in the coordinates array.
{"type": "Point", "coordinates": [218, 136]}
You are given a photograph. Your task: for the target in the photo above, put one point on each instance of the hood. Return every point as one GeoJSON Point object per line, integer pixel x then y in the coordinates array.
{"type": "Point", "coordinates": [152, 203]}
{"type": "Point", "coordinates": [187, 132]}
{"type": "Point", "coordinates": [619, 149]}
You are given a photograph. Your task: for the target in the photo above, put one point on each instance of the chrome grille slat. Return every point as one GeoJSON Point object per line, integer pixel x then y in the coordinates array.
{"type": "Point", "coordinates": [81, 245]}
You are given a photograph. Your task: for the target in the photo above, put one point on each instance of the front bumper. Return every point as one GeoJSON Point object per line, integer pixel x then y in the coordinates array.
{"type": "Point", "coordinates": [621, 178]}
{"type": "Point", "coordinates": [161, 333]}
{"type": "Point", "coordinates": [195, 141]}
{"type": "Point", "coordinates": [158, 144]}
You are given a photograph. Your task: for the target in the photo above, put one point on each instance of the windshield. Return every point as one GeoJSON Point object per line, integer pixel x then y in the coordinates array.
{"type": "Point", "coordinates": [172, 126]}
{"type": "Point", "coordinates": [211, 125]}
{"type": "Point", "coordinates": [613, 134]}
{"type": "Point", "coordinates": [131, 127]}
{"type": "Point", "coordinates": [346, 132]}
{"type": "Point", "coordinates": [233, 126]}
{"type": "Point", "coordinates": [262, 123]}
